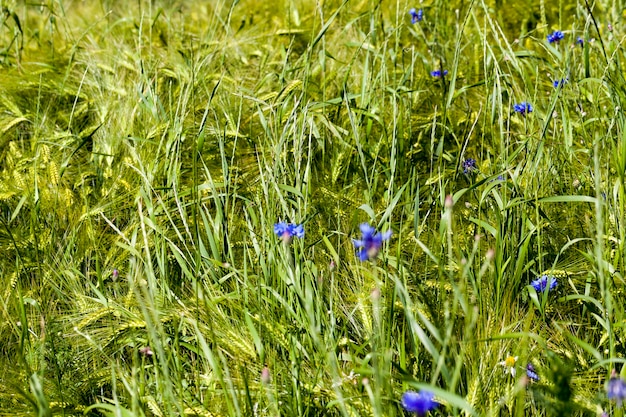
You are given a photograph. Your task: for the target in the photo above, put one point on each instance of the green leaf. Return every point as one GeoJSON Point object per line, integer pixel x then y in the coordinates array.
{"type": "Point", "coordinates": [568, 199]}
{"type": "Point", "coordinates": [370, 212]}
{"type": "Point", "coordinates": [489, 228]}
{"type": "Point", "coordinates": [113, 411]}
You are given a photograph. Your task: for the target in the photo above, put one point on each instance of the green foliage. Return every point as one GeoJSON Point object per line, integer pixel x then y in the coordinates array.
{"type": "Point", "coordinates": [147, 148]}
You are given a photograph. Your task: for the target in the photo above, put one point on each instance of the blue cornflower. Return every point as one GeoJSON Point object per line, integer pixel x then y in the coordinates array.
{"type": "Point", "coordinates": [418, 402]}
{"type": "Point", "coordinates": [286, 231]}
{"type": "Point", "coordinates": [370, 243]}
{"type": "Point", "coordinates": [555, 36]}
{"type": "Point", "coordinates": [580, 41]}
{"type": "Point", "coordinates": [530, 372]}
{"type": "Point", "coordinates": [469, 165]}
{"type": "Point", "coordinates": [560, 82]}
{"type": "Point", "coordinates": [523, 108]}
{"type": "Point", "coordinates": [616, 388]}
{"type": "Point", "coordinates": [416, 15]}
{"type": "Point", "coordinates": [544, 282]}
{"type": "Point", "coordinates": [438, 73]}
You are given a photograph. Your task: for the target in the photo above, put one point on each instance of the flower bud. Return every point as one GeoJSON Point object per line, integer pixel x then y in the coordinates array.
{"type": "Point", "coordinates": [265, 375]}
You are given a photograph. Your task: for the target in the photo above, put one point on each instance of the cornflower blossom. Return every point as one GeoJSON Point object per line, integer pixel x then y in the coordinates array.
{"type": "Point", "coordinates": [418, 402]}
{"type": "Point", "coordinates": [560, 82]}
{"type": "Point", "coordinates": [580, 41]}
{"type": "Point", "coordinates": [544, 282]}
{"type": "Point", "coordinates": [438, 73]}
{"type": "Point", "coordinates": [416, 15]}
{"type": "Point", "coordinates": [555, 36]}
{"type": "Point", "coordinates": [469, 166]}
{"type": "Point", "coordinates": [616, 388]}
{"type": "Point", "coordinates": [287, 231]}
{"type": "Point", "coordinates": [523, 108]}
{"type": "Point", "coordinates": [531, 373]}
{"type": "Point", "coordinates": [509, 365]}
{"type": "Point", "coordinates": [370, 243]}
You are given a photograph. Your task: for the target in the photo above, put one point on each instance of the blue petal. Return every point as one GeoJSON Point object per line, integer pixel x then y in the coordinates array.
{"type": "Point", "coordinates": [367, 230]}
{"type": "Point", "coordinates": [297, 230]}
{"type": "Point", "coordinates": [616, 389]}
{"type": "Point", "coordinates": [280, 228]}
{"type": "Point", "coordinates": [362, 253]}
{"type": "Point", "coordinates": [376, 241]}
{"type": "Point", "coordinates": [418, 402]}
{"type": "Point", "coordinates": [553, 282]}
{"type": "Point", "coordinates": [530, 372]}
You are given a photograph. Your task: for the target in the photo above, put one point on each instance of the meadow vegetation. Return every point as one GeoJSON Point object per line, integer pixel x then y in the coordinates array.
{"type": "Point", "coordinates": [158, 157]}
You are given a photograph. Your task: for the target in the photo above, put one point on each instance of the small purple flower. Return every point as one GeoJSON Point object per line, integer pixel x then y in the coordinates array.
{"type": "Point", "coordinates": [616, 388]}
{"type": "Point", "coordinates": [416, 15]}
{"type": "Point", "coordinates": [469, 166]}
{"type": "Point", "coordinates": [561, 82]}
{"type": "Point", "coordinates": [530, 372]}
{"type": "Point", "coordinates": [523, 108]}
{"type": "Point", "coordinates": [544, 282]}
{"type": "Point", "coordinates": [580, 41]}
{"type": "Point", "coordinates": [418, 402]}
{"type": "Point", "coordinates": [555, 36]}
{"type": "Point", "coordinates": [115, 274]}
{"type": "Point", "coordinates": [438, 73]}
{"type": "Point", "coordinates": [287, 231]}
{"type": "Point", "coordinates": [370, 243]}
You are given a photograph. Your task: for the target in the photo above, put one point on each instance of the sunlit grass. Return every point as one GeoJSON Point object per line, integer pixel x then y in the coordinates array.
{"type": "Point", "coordinates": [148, 150]}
